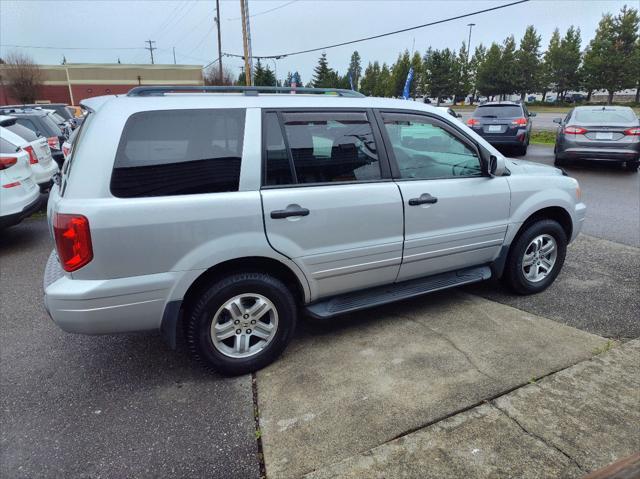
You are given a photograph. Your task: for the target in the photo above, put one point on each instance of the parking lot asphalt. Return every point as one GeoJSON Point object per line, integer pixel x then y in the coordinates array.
{"type": "Point", "coordinates": [106, 406]}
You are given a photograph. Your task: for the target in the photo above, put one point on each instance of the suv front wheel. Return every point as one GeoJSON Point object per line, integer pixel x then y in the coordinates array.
{"type": "Point", "coordinates": [241, 323]}
{"type": "Point", "coordinates": [536, 257]}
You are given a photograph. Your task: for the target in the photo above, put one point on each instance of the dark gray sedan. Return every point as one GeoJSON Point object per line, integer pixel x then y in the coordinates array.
{"type": "Point", "coordinates": [607, 133]}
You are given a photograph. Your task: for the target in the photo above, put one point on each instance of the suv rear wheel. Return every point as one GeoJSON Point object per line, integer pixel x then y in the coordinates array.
{"type": "Point", "coordinates": [536, 257]}
{"type": "Point", "coordinates": [241, 323]}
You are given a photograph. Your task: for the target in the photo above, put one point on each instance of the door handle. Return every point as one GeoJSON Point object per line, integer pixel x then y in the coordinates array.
{"type": "Point", "coordinates": [292, 210]}
{"type": "Point", "coordinates": [425, 198]}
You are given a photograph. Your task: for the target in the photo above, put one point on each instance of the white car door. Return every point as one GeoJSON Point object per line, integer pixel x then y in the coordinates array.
{"type": "Point", "coordinates": [329, 203]}
{"type": "Point", "coordinates": [455, 215]}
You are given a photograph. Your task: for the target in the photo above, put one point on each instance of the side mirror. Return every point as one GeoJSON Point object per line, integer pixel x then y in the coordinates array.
{"type": "Point", "coordinates": [557, 120]}
{"type": "Point", "coordinates": [496, 165]}
{"type": "Point", "coordinates": [532, 113]}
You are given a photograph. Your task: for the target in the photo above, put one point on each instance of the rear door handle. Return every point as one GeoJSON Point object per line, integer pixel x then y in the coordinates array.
{"type": "Point", "coordinates": [425, 198]}
{"type": "Point", "coordinates": [292, 210]}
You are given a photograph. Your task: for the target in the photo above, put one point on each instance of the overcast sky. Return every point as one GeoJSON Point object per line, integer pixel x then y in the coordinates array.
{"type": "Point", "coordinates": [118, 29]}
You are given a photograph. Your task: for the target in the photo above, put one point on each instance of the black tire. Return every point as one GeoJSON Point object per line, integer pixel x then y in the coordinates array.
{"type": "Point", "coordinates": [559, 161]}
{"type": "Point", "coordinates": [632, 166]}
{"type": "Point", "coordinates": [513, 273]}
{"type": "Point", "coordinates": [200, 315]}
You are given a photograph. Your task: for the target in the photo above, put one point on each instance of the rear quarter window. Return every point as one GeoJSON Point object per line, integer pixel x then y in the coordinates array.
{"type": "Point", "coordinates": [179, 152]}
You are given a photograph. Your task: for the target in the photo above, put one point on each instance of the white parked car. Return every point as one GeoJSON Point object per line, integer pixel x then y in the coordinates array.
{"type": "Point", "coordinates": [36, 147]}
{"type": "Point", "coordinates": [19, 194]}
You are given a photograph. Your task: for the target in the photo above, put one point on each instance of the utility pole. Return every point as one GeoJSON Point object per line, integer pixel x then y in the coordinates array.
{"type": "Point", "coordinates": [217, 19]}
{"type": "Point", "coordinates": [470, 25]}
{"type": "Point", "coordinates": [174, 55]}
{"type": "Point", "coordinates": [245, 42]}
{"type": "Point", "coordinates": [151, 48]}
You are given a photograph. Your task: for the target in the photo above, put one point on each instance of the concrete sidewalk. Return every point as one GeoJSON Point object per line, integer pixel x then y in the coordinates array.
{"type": "Point", "coordinates": [565, 425]}
{"type": "Point", "coordinates": [346, 390]}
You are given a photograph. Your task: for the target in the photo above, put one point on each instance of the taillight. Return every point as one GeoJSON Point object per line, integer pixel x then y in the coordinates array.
{"type": "Point", "coordinates": [575, 130]}
{"type": "Point", "coordinates": [472, 122]}
{"type": "Point", "coordinates": [54, 142]}
{"type": "Point", "coordinates": [632, 131]}
{"type": "Point", "coordinates": [7, 161]}
{"type": "Point", "coordinates": [65, 151]}
{"type": "Point", "coordinates": [519, 121]}
{"type": "Point", "coordinates": [73, 240]}
{"type": "Point", "coordinates": [33, 159]}
{"type": "Point", "coordinates": [11, 185]}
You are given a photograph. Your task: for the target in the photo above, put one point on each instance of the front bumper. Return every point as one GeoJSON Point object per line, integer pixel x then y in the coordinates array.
{"type": "Point", "coordinates": [105, 306]}
{"type": "Point", "coordinates": [579, 215]}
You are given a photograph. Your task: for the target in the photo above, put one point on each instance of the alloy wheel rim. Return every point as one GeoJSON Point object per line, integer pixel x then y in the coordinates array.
{"type": "Point", "coordinates": [244, 325]}
{"type": "Point", "coordinates": [539, 258]}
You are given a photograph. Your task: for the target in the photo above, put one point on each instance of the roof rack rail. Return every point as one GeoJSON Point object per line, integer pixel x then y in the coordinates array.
{"type": "Point", "coordinates": [246, 90]}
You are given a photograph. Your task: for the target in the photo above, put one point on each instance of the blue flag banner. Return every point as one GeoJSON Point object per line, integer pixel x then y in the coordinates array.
{"type": "Point", "coordinates": [351, 81]}
{"type": "Point", "coordinates": [407, 84]}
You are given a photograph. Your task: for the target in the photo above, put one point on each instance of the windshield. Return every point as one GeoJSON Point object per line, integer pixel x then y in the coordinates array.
{"type": "Point", "coordinates": [498, 111]}
{"type": "Point", "coordinates": [600, 115]}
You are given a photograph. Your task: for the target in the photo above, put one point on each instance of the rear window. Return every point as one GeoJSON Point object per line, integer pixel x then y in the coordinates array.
{"type": "Point", "coordinates": [7, 147]}
{"type": "Point", "coordinates": [498, 111]}
{"type": "Point", "coordinates": [51, 125]}
{"type": "Point", "coordinates": [179, 152]}
{"type": "Point", "coordinates": [605, 116]}
{"type": "Point", "coordinates": [23, 132]}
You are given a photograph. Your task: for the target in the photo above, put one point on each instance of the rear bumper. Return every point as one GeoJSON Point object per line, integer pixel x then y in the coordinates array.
{"type": "Point", "coordinates": [105, 306]}
{"type": "Point", "coordinates": [507, 140]}
{"type": "Point", "coordinates": [604, 154]}
{"type": "Point", "coordinates": [15, 218]}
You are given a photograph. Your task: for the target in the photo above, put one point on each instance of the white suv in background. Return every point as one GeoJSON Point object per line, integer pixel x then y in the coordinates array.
{"type": "Point", "coordinates": [19, 194]}
{"type": "Point", "coordinates": [36, 147]}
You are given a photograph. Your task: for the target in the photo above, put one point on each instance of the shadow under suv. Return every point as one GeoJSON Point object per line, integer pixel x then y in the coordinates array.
{"type": "Point", "coordinates": [225, 212]}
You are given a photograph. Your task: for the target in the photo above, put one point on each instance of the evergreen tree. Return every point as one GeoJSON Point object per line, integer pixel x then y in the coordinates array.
{"type": "Point", "coordinates": [563, 61]}
{"type": "Point", "coordinates": [611, 60]}
{"type": "Point", "coordinates": [370, 79]}
{"type": "Point", "coordinates": [384, 86]}
{"type": "Point", "coordinates": [475, 62]}
{"type": "Point", "coordinates": [439, 67]}
{"type": "Point", "coordinates": [417, 85]}
{"type": "Point", "coordinates": [507, 71]}
{"type": "Point", "coordinates": [528, 63]}
{"type": "Point", "coordinates": [323, 76]}
{"type": "Point", "coordinates": [258, 74]}
{"type": "Point", "coordinates": [355, 68]}
{"type": "Point", "coordinates": [399, 72]}
{"type": "Point", "coordinates": [462, 78]}
{"type": "Point", "coordinates": [488, 72]}
{"type": "Point", "coordinates": [550, 64]}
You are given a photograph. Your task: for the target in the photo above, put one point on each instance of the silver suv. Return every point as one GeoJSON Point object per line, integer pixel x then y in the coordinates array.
{"type": "Point", "coordinates": [228, 214]}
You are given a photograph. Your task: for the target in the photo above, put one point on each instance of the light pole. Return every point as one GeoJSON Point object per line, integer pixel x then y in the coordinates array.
{"type": "Point", "coordinates": [470, 25]}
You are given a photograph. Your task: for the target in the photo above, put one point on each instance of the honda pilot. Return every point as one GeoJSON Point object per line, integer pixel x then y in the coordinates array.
{"type": "Point", "coordinates": [227, 213]}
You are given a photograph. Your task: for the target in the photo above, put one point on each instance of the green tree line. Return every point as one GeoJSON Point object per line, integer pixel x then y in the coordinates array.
{"type": "Point", "coordinates": [611, 62]}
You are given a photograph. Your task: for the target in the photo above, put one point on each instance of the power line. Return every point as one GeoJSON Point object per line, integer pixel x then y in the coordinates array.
{"type": "Point", "coordinates": [373, 37]}
{"type": "Point", "coordinates": [70, 48]}
{"type": "Point", "coordinates": [266, 11]}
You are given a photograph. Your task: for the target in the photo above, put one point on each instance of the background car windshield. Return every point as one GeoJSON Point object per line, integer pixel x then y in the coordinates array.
{"type": "Point", "coordinates": [605, 116]}
{"type": "Point", "coordinates": [498, 111]}
{"type": "Point", "coordinates": [22, 131]}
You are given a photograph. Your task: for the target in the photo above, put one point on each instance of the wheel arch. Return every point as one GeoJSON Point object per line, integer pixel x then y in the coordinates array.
{"type": "Point", "coordinates": [175, 310]}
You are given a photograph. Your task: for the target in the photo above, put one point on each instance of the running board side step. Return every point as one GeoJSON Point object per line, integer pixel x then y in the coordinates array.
{"type": "Point", "coordinates": [379, 295]}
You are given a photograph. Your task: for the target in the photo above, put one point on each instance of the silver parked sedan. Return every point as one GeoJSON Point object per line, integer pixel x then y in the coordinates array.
{"type": "Point", "coordinates": [608, 133]}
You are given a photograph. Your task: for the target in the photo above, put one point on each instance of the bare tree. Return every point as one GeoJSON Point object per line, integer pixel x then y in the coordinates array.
{"type": "Point", "coordinates": [212, 76]}
{"type": "Point", "coordinates": [24, 77]}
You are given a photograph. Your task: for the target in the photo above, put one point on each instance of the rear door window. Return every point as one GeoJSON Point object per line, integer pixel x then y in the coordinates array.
{"type": "Point", "coordinates": [179, 152]}
{"type": "Point", "coordinates": [324, 147]}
